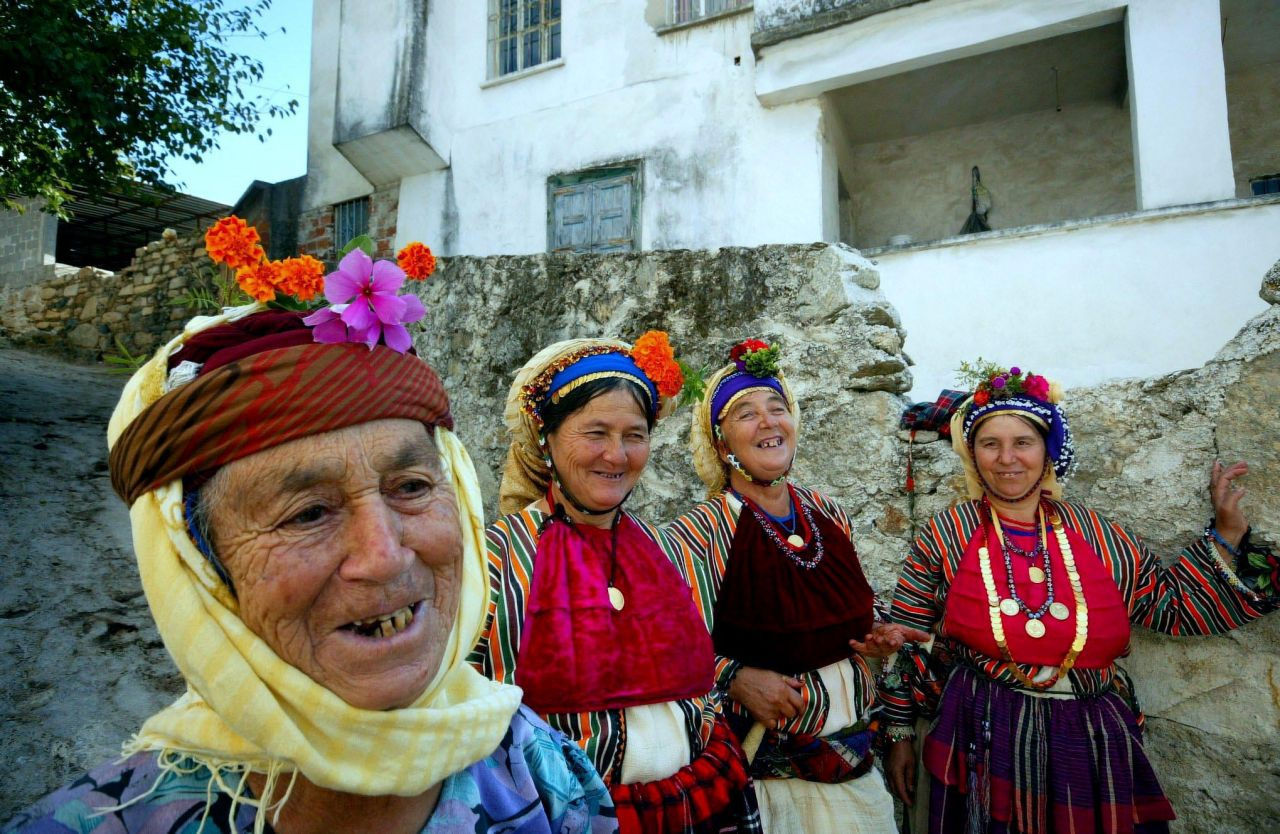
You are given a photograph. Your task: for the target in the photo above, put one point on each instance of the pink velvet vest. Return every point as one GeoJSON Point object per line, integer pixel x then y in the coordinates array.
{"type": "Point", "coordinates": [579, 654]}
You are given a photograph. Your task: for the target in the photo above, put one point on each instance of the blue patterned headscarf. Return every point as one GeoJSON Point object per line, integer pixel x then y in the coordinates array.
{"type": "Point", "coordinates": [1048, 417]}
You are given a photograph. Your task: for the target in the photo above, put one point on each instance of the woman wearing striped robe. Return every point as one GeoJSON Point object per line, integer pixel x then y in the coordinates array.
{"type": "Point", "coordinates": [778, 581]}
{"type": "Point", "coordinates": [589, 612]}
{"type": "Point", "coordinates": [1032, 598]}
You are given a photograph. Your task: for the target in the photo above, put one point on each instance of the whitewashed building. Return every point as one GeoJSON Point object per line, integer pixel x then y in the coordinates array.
{"type": "Point", "coordinates": [1130, 148]}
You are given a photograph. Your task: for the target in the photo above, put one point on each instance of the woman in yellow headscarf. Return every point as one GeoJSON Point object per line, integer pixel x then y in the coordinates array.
{"type": "Point", "coordinates": [309, 537]}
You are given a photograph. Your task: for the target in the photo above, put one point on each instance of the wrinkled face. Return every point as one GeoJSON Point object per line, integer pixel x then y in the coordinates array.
{"type": "Point", "coordinates": [600, 450]}
{"type": "Point", "coordinates": [1009, 454]}
{"type": "Point", "coordinates": [345, 552]}
{"type": "Point", "coordinates": [761, 433]}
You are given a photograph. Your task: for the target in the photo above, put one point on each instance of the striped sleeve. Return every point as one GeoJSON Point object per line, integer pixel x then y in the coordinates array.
{"type": "Point", "coordinates": [1195, 595]}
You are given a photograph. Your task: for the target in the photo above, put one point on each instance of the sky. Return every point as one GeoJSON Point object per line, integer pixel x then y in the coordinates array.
{"type": "Point", "coordinates": [225, 173]}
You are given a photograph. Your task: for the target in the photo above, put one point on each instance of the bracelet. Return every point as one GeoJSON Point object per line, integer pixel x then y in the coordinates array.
{"type": "Point", "coordinates": [900, 732]}
{"type": "Point", "coordinates": [1211, 532]}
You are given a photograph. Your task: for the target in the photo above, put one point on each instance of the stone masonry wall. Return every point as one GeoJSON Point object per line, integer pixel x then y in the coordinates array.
{"type": "Point", "coordinates": [83, 312]}
{"type": "Point", "coordinates": [1146, 447]}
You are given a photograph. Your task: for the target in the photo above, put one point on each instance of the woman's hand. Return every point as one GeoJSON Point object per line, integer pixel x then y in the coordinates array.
{"type": "Point", "coordinates": [900, 769]}
{"type": "Point", "coordinates": [771, 698]}
{"type": "Point", "coordinates": [1225, 494]}
{"type": "Point", "coordinates": [887, 638]}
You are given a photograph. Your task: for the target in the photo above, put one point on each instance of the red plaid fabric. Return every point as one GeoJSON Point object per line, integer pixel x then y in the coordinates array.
{"type": "Point", "coordinates": [712, 794]}
{"type": "Point", "coordinates": [934, 416]}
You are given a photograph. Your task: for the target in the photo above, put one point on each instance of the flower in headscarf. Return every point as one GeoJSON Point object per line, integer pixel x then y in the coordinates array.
{"type": "Point", "coordinates": [372, 309]}
{"type": "Point", "coordinates": [259, 280]}
{"type": "Point", "coordinates": [982, 397]}
{"type": "Point", "coordinates": [654, 355]}
{"type": "Point", "coordinates": [301, 277]}
{"type": "Point", "coordinates": [1036, 386]}
{"type": "Point", "coordinates": [233, 242]}
{"type": "Point", "coordinates": [417, 261]}
{"type": "Point", "coordinates": [998, 382]}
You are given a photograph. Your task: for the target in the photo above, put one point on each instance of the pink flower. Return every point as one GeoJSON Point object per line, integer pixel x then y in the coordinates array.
{"type": "Point", "coordinates": [1015, 371]}
{"type": "Point", "coordinates": [366, 307]}
{"type": "Point", "coordinates": [1036, 386]}
{"type": "Point", "coordinates": [998, 382]}
{"type": "Point", "coordinates": [327, 325]}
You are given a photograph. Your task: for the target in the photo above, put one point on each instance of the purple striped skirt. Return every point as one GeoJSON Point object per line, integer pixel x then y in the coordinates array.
{"type": "Point", "coordinates": [1006, 762]}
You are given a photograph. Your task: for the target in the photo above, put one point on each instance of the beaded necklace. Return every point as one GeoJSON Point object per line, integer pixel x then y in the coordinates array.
{"type": "Point", "coordinates": [1014, 603]}
{"type": "Point", "coordinates": [1010, 607]}
{"type": "Point", "coordinates": [795, 544]}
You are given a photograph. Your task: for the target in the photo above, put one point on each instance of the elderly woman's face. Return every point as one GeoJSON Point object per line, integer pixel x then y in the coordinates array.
{"type": "Point", "coordinates": [761, 433]}
{"type": "Point", "coordinates": [345, 552]}
{"type": "Point", "coordinates": [1009, 454]}
{"type": "Point", "coordinates": [600, 450]}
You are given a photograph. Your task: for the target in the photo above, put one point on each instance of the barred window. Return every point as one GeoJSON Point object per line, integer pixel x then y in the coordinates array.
{"type": "Point", "coordinates": [683, 11]}
{"type": "Point", "coordinates": [350, 220]}
{"type": "Point", "coordinates": [522, 34]}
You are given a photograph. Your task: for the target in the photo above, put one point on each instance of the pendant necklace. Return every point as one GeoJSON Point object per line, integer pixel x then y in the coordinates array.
{"type": "Point", "coordinates": [797, 540]}
{"type": "Point", "coordinates": [616, 598]}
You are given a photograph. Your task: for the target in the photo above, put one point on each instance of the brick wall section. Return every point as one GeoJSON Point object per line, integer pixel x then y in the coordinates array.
{"type": "Point", "coordinates": [82, 313]}
{"type": "Point", "coordinates": [316, 228]}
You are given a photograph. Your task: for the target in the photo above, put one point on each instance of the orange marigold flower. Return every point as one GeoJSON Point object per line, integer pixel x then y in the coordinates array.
{"type": "Point", "coordinates": [233, 242]}
{"type": "Point", "coordinates": [653, 354]}
{"type": "Point", "coordinates": [417, 261]}
{"type": "Point", "coordinates": [259, 281]}
{"type": "Point", "coordinates": [302, 277]}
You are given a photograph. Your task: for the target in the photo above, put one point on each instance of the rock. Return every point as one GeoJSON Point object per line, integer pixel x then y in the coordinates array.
{"type": "Point", "coordinates": [1270, 291]}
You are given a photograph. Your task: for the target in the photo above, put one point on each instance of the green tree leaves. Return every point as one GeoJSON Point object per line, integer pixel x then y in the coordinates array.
{"type": "Point", "coordinates": [99, 94]}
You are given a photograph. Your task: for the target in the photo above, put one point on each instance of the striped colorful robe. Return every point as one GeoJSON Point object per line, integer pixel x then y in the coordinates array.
{"type": "Point", "coordinates": [512, 546]}
{"type": "Point", "coordinates": [708, 530]}
{"type": "Point", "coordinates": [1189, 597]}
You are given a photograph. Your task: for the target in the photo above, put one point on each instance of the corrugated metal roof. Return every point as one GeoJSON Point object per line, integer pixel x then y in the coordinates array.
{"type": "Point", "coordinates": [105, 231]}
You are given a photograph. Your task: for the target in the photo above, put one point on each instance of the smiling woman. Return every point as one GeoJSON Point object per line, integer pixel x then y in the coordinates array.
{"type": "Point", "coordinates": [590, 612]}
{"type": "Point", "coordinates": [308, 534]}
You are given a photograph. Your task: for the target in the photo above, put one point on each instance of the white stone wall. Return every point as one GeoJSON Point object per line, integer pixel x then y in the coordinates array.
{"type": "Point", "coordinates": [717, 166]}
{"type": "Point", "coordinates": [1131, 297]}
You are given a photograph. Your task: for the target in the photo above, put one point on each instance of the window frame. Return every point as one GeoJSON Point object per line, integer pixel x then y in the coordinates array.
{"type": "Point", "coordinates": [695, 11]}
{"type": "Point", "coordinates": [531, 26]}
{"type": "Point", "coordinates": [339, 209]}
{"type": "Point", "coordinates": [595, 176]}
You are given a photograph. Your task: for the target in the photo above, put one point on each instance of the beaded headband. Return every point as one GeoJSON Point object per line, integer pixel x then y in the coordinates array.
{"type": "Point", "coordinates": [1000, 391]}
{"type": "Point", "coordinates": [651, 364]}
{"type": "Point", "coordinates": [757, 364]}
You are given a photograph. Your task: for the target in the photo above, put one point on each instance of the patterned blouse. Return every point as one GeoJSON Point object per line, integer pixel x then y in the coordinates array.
{"type": "Point", "coordinates": [513, 543]}
{"type": "Point", "coordinates": [534, 783]}
{"type": "Point", "coordinates": [708, 531]}
{"type": "Point", "coordinates": [1192, 596]}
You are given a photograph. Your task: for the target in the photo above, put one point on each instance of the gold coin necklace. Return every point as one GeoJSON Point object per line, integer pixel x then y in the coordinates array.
{"type": "Point", "coordinates": [996, 607]}
{"type": "Point", "coordinates": [1012, 604]}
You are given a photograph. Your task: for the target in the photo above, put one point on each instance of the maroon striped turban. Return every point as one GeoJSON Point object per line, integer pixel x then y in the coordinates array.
{"type": "Point", "coordinates": [263, 381]}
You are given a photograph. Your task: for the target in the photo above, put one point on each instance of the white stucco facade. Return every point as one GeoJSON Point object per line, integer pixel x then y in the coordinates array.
{"type": "Point", "coordinates": [853, 128]}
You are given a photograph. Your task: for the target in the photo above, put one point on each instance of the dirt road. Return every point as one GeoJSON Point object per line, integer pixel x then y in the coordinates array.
{"type": "Point", "coordinates": [82, 663]}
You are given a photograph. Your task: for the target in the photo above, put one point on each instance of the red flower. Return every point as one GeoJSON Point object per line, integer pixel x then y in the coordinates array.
{"type": "Point", "coordinates": [982, 397]}
{"type": "Point", "coordinates": [747, 346]}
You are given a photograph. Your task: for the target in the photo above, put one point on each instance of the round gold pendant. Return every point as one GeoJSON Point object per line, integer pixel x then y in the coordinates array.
{"type": "Point", "coordinates": [1008, 607]}
{"type": "Point", "coordinates": [794, 540]}
{"type": "Point", "coordinates": [1059, 611]}
{"type": "Point", "coordinates": [1035, 629]}
{"type": "Point", "coordinates": [1037, 575]}
{"type": "Point", "coordinates": [616, 599]}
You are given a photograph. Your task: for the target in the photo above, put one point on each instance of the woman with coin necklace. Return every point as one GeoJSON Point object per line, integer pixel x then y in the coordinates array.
{"type": "Point", "coordinates": [1032, 597]}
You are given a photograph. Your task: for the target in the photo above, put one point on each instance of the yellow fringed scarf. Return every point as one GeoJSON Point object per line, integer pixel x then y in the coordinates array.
{"type": "Point", "coordinates": [246, 709]}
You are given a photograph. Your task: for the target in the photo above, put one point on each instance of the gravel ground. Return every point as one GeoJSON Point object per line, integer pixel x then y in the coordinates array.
{"type": "Point", "coordinates": [83, 663]}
